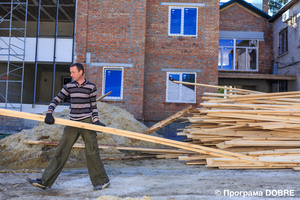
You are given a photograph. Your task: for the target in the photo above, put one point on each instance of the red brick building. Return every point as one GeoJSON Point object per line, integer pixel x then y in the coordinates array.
{"type": "Point", "coordinates": [137, 48]}
{"type": "Point", "coordinates": [146, 44]}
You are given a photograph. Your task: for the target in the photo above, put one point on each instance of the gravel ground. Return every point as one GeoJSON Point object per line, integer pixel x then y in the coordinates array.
{"type": "Point", "coordinates": [161, 180]}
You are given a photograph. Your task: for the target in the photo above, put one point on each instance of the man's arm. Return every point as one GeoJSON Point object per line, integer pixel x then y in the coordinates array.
{"type": "Point", "coordinates": [49, 119]}
{"type": "Point", "coordinates": [93, 97]}
{"type": "Point", "coordinates": [61, 96]}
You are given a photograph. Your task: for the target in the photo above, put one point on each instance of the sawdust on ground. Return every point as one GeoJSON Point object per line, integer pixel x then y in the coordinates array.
{"type": "Point", "coordinates": [15, 154]}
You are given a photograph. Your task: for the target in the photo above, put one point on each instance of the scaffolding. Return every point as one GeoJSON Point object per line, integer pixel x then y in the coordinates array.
{"type": "Point", "coordinates": [13, 24]}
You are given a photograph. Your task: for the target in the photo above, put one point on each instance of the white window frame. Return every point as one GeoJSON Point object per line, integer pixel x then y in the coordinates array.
{"type": "Point", "coordinates": [180, 88]}
{"type": "Point", "coordinates": [234, 54]}
{"type": "Point", "coordinates": [104, 78]}
{"type": "Point", "coordinates": [182, 21]}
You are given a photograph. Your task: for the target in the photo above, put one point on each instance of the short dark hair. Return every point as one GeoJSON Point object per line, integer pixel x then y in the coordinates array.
{"type": "Point", "coordinates": [79, 67]}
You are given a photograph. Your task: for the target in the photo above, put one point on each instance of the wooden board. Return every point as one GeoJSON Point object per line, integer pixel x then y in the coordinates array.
{"type": "Point", "coordinates": [149, 138]}
{"type": "Point", "coordinates": [169, 120]}
{"type": "Point", "coordinates": [103, 96]}
{"type": "Point", "coordinates": [101, 146]}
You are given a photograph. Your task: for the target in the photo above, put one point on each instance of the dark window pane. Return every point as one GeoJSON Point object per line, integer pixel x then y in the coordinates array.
{"type": "Point", "coordinates": [175, 21]}
{"type": "Point", "coordinates": [190, 21]}
{"type": "Point", "coordinates": [283, 41]}
{"type": "Point", "coordinates": [189, 78]}
{"type": "Point", "coordinates": [252, 59]}
{"type": "Point", "coordinates": [113, 82]}
{"type": "Point", "coordinates": [283, 86]}
{"type": "Point", "coordinates": [174, 77]}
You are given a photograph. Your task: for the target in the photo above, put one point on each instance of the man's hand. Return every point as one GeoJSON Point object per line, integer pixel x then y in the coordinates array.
{"type": "Point", "coordinates": [99, 123]}
{"type": "Point", "coordinates": [49, 118]}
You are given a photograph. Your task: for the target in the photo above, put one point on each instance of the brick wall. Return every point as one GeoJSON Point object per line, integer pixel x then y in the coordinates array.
{"type": "Point", "coordinates": [163, 52]}
{"type": "Point", "coordinates": [288, 63]}
{"type": "Point", "coordinates": [238, 18]}
{"type": "Point", "coordinates": [114, 32]}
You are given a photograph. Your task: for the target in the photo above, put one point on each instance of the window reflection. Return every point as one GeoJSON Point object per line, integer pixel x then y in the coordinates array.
{"type": "Point", "coordinates": [237, 54]}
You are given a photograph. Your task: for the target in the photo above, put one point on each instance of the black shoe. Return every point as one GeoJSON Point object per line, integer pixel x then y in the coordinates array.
{"type": "Point", "coordinates": [36, 183]}
{"type": "Point", "coordinates": [101, 187]}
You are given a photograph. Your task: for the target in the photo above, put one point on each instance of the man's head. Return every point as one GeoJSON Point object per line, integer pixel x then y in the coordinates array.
{"type": "Point", "coordinates": [79, 67]}
{"type": "Point", "coordinates": [77, 71]}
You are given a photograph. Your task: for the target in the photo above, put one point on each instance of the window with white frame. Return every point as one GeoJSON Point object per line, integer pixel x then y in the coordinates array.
{"type": "Point", "coordinates": [283, 41]}
{"type": "Point", "coordinates": [238, 54]}
{"type": "Point", "coordinates": [183, 21]}
{"type": "Point", "coordinates": [113, 81]}
{"type": "Point", "coordinates": [180, 93]}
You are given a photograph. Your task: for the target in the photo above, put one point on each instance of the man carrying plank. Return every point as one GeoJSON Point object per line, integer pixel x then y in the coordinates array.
{"type": "Point", "coordinates": [83, 95]}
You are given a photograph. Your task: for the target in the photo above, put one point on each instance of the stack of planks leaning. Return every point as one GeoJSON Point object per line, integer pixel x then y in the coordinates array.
{"type": "Point", "coordinates": [261, 125]}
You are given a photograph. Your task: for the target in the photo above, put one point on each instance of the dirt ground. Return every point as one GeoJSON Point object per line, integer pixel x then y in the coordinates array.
{"type": "Point", "coordinates": [160, 179]}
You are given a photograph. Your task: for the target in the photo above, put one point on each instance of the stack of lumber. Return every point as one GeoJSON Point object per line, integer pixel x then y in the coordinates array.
{"type": "Point", "coordinates": [181, 145]}
{"type": "Point", "coordinates": [265, 126]}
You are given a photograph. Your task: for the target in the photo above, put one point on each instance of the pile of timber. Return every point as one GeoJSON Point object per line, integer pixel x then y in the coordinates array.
{"type": "Point", "coordinates": [177, 144]}
{"type": "Point", "coordinates": [241, 129]}
{"type": "Point", "coordinates": [265, 126]}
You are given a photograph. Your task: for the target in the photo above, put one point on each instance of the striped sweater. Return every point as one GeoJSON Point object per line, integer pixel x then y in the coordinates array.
{"type": "Point", "coordinates": [83, 100]}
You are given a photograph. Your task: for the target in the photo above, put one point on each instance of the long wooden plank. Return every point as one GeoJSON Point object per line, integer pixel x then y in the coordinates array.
{"type": "Point", "coordinates": [149, 138]}
{"type": "Point", "coordinates": [268, 106]}
{"type": "Point", "coordinates": [262, 143]}
{"type": "Point", "coordinates": [195, 157]}
{"type": "Point", "coordinates": [277, 111]}
{"type": "Point", "coordinates": [266, 96]}
{"type": "Point", "coordinates": [215, 86]}
{"type": "Point", "coordinates": [103, 96]}
{"type": "Point", "coordinates": [221, 128]}
{"type": "Point", "coordinates": [101, 146]}
{"type": "Point", "coordinates": [261, 117]}
{"type": "Point", "coordinates": [195, 162]}
{"type": "Point", "coordinates": [268, 153]}
{"type": "Point", "coordinates": [277, 126]}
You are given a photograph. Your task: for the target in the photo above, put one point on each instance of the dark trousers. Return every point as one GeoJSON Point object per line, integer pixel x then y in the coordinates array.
{"type": "Point", "coordinates": [96, 170]}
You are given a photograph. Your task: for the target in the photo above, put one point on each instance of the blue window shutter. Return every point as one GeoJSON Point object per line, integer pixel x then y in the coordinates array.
{"type": "Point", "coordinates": [190, 21]}
{"type": "Point", "coordinates": [113, 82]}
{"type": "Point", "coordinates": [175, 21]}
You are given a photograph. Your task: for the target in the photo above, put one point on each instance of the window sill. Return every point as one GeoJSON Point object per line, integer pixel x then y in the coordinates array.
{"type": "Point", "coordinates": [281, 55]}
{"type": "Point", "coordinates": [181, 37]}
{"type": "Point", "coordinates": [113, 100]}
{"type": "Point", "coordinates": [193, 103]}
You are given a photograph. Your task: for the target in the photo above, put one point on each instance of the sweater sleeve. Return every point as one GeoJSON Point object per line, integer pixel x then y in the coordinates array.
{"type": "Point", "coordinates": [93, 97]}
{"type": "Point", "coordinates": [61, 95]}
